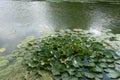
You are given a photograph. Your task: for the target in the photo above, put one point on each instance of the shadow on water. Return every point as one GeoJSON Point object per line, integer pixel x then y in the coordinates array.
{"type": "Point", "coordinates": [19, 19]}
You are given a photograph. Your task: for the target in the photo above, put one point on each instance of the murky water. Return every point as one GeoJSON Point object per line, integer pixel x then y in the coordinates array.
{"type": "Point", "coordinates": [20, 19]}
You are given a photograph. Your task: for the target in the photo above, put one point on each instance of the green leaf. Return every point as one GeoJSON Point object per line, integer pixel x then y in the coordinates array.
{"type": "Point", "coordinates": [68, 64]}
{"type": "Point", "coordinates": [56, 67]}
{"type": "Point", "coordinates": [109, 53]}
{"type": "Point", "coordinates": [111, 65]}
{"type": "Point", "coordinates": [65, 76]}
{"type": "Point", "coordinates": [55, 72]}
{"type": "Point", "coordinates": [57, 77]}
{"type": "Point", "coordinates": [73, 78]}
{"type": "Point", "coordinates": [79, 74]}
{"type": "Point", "coordinates": [76, 61]}
{"type": "Point", "coordinates": [116, 57]}
{"type": "Point", "coordinates": [118, 62]}
{"type": "Point", "coordinates": [89, 64]}
{"type": "Point", "coordinates": [71, 71]}
{"type": "Point", "coordinates": [103, 65]}
{"type": "Point", "coordinates": [97, 69]}
{"type": "Point", "coordinates": [110, 60]}
{"type": "Point", "coordinates": [113, 74]}
{"type": "Point", "coordinates": [102, 60]}
{"type": "Point", "coordinates": [81, 63]}
{"type": "Point", "coordinates": [97, 46]}
{"type": "Point", "coordinates": [99, 76]}
{"type": "Point", "coordinates": [93, 60]}
{"type": "Point", "coordinates": [89, 75]}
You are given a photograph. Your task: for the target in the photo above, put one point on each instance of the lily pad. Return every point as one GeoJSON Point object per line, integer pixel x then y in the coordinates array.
{"type": "Point", "coordinates": [65, 76]}
{"type": "Point", "coordinates": [89, 75]}
{"type": "Point", "coordinates": [103, 65]}
{"type": "Point", "coordinates": [113, 74]}
{"type": "Point", "coordinates": [79, 74]}
{"type": "Point", "coordinates": [97, 69]}
{"type": "Point", "coordinates": [2, 50]}
{"type": "Point", "coordinates": [118, 62]}
{"type": "Point", "coordinates": [71, 71]}
{"type": "Point", "coordinates": [96, 78]}
{"type": "Point", "coordinates": [111, 65]}
{"type": "Point", "coordinates": [110, 60]}
{"type": "Point", "coordinates": [89, 64]}
{"type": "Point", "coordinates": [99, 76]}
{"type": "Point", "coordinates": [102, 60]}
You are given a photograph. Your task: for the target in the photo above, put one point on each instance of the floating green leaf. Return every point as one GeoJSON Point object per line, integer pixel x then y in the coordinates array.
{"type": "Point", "coordinates": [103, 65]}
{"type": "Point", "coordinates": [110, 60]}
{"type": "Point", "coordinates": [71, 71]}
{"type": "Point", "coordinates": [113, 74]}
{"type": "Point", "coordinates": [118, 62]}
{"type": "Point", "coordinates": [89, 75]}
{"type": "Point", "coordinates": [97, 69]}
{"type": "Point", "coordinates": [99, 76]}
{"type": "Point", "coordinates": [79, 74]}
{"type": "Point", "coordinates": [111, 65]}
{"type": "Point", "coordinates": [65, 76]}
{"type": "Point", "coordinates": [102, 60]}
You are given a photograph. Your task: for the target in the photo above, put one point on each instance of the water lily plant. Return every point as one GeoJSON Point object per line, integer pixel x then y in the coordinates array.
{"type": "Point", "coordinates": [71, 55]}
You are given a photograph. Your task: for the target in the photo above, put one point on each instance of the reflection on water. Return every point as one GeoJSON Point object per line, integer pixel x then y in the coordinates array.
{"type": "Point", "coordinates": [20, 19]}
{"type": "Point", "coordinates": [85, 15]}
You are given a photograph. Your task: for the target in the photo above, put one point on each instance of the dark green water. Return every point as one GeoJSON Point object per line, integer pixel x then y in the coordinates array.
{"type": "Point", "coordinates": [19, 19]}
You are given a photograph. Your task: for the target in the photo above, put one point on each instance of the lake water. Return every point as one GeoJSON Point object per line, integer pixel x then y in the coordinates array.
{"type": "Point", "coordinates": [19, 19]}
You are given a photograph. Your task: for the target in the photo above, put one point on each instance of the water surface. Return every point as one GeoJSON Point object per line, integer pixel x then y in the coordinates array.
{"type": "Point", "coordinates": [19, 19]}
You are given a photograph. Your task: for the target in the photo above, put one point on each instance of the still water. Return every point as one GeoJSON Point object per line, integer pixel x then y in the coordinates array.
{"type": "Point", "coordinates": [19, 19]}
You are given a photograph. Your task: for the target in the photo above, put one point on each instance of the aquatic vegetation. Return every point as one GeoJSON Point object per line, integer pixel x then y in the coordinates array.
{"type": "Point", "coordinates": [4, 63]}
{"type": "Point", "coordinates": [25, 41]}
{"type": "Point", "coordinates": [67, 55]}
{"type": "Point", "coordinates": [112, 39]}
{"type": "Point", "coordinates": [71, 55]}
{"type": "Point", "coordinates": [2, 50]}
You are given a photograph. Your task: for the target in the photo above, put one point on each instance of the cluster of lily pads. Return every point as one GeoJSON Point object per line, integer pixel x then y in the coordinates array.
{"type": "Point", "coordinates": [71, 55]}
